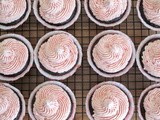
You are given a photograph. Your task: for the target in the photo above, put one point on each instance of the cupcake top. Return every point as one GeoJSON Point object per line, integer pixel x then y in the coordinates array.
{"type": "Point", "coordinates": [11, 10]}
{"type": "Point", "coordinates": [9, 103]}
{"type": "Point", "coordinates": [152, 104]}
{"type": "Point", "coordinates": [109, 102]}
{"type": "Point", "coordinates": [151, 58]}
{"type": "Point", "coordinates": [13, 56]}
{"type": "Point", "coordinates": [56, 11]}
{"type": "Point", "coordinates": [152, 11]}
{"type": "Point", "coordinates": [112, 53]}
{"type": "Point", "coordinates": [107, 10]}
{"type": "Point", "coordinates": [59, 54]}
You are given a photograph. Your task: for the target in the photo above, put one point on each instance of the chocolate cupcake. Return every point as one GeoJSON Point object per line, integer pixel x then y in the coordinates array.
{"type": "Point", "coordinates": [16, 57]}
{"type": "Point", "coordinates": [111, 53]}
{"type": "Point", "coordinates": [107, 13]}
{"type": "Point", "coordinates": [57, 55]}
{"type": "Point", "coordinates": [13, 13]}
{"type": "Point", "coordinates": [148, 59]}
{"type": "Point", "coordinates": [57, 14]}
{"type": "Point", "coordinates": [109, 101]}
{"type": "Point", "coordinates": [12, 104]}
{"type": "Point", "coordinates": [149, 13]}
{"type": "Point", "coordinates": [149, 103]}
{"type": "Point", "coordinates": [52, 101]}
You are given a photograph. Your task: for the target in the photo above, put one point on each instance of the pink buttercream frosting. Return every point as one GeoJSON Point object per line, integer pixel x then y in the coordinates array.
{"type": "Point", "coordinates": [110, 103]}
{"type": "Point", "coordinates": [9, 103]}
{"type": "Point", "coordinates": [152, 104]}
{"type": "Point", "coordinates": [106, 10]}
{"type": "Point", "coordinates": [11, 10]}
{"type": "Point", "coordinates": [59, 54]}
{"type": "Point", "coordinates": [152, 10]}
{"type": "Point", "coordinates": [112, 53]}
{"type": "Point", "coordinates": [151, 58]}
{"type": "Point", "coordinates": [13, 56]}
{"type": "Point", "coordinates": [52, 103]}
{"type": "Point", "coordinates": [56, 11]}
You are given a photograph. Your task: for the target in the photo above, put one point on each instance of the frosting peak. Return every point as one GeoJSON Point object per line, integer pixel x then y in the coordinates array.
{"type": "Point", "coordinates": [112, 53]}
{"type": "Point", "coordinates": [59, 53]}
{"type": "Point", "coordinates": [107, 10]}
{"type": "Point", "coordinates": [11, 10]}
{"type": "Point", "coordinates": [57, 11]}
{"type": "Point", "coordinates": [109, 103]}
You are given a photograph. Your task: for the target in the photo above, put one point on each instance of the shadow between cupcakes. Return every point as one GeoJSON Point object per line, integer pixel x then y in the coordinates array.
{"type": "Point", "coordinates": [140, 50]}
{"type": "Point", "coordinates": [111, 23]}
{"type": "Point", "coordinates": [143, 18]}
{"type": "Point", "coordinates": [64, 87]}
{"type": "Point", "coordinates": [89, 109]}
{"type": "Point", "coordinates": [20, 21]}
{"type": "Point", "coordinates": [29, 63]}
{"type": "Point", "coordinates": [48, 73]}
{"type": "Point", "coordinates": [94, 41]}
{"type": "Point", "coordinates": [58, 26]}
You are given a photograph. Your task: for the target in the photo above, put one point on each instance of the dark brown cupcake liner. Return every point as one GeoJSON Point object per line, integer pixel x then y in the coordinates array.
{"type": "Point", "coordinates": [99, 71]}
{"type": "Point", "coordinates": [143, 19]}
{"type": "Point", "coordinates": [54, 26]}
{"type": "Point", "coordinates": [105, 24]}
{"type": "Point", "coordinates": [20, 21]}
{"type": "Point", "coordinates": [120, 86]}
{"type": "Point", "coordinates": [140, 49]}
{"type": "Point", "coordinates": [29, 62]}
{"type": "Point", "coordinates": [52, 75]}
{"type": "Point", "coordinates": [64, 87]}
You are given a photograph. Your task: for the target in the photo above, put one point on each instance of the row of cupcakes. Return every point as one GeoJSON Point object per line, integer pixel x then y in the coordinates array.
{"type": "Point", "coordinates": [58, 54]}
{"type": "Point", "coordinates": [60, 14]}
{"type": "Point", "coordinates": [53, 100]}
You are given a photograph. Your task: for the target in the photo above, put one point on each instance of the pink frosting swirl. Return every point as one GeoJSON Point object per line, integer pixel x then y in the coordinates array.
{"type": "Point", "coordinates": [57, 11]}
{"type": "Point", "coordinates": [9, 103]}
{"type": "Point", "coordinates": [11, 10]}
{"type": "Point", "coordinates": [106, 10]}
{"type": "Point", "coordinates": [13, 56]}
{"type": "Point", "coordinates": [52, 103]}
{"type": "Point", "coordinates": [152, 10]}
{"type": "Point", "coordinates": [110, 103]}
{"type": "Point", "coordinates": [112, 53]}
{"type": "Point", "coordinates": [152, 104]}
{"type": "Point", "coordinates": [151, 58]}
{"type": "Point", "coordinates": [59, 53]}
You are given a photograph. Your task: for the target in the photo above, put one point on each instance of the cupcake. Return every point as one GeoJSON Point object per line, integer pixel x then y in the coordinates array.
{"type": "Point", "coordinates": [111, 53]}
{"type": "Point", "coordinates": [149, 13]}
{"type": "Point", "coordinates": [12, 104]}
{"type": "Point", "coordinates": [13, 13]}
{"type": "Point", "coordinates": [148, 59]}
{"type": "Point", "coordinates": [52, 101]}
{"type": "Point", "coordinates": [149, 103]}
{"type": "Point", "coordinates": [57, 14]}
{"type": "Point", "coordinates": [109, 101]}
{"type": "Point", "coordinates": [16, 57]}
{"type": "Point", "coordinates": [107, 13]}
{"type": "Point", "coordinates": [58, 55]}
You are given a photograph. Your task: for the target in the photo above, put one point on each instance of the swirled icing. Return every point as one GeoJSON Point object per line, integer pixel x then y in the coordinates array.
{"type": "Point", "coordinates": [59, 54]}
{"type": "Point", "coordinates": [152, 104]}
{"type": "Point", "coordinates": [9, 103]}
{"type": "Point", "coordinates": [11, 10]}
{"type": "Point", "coordinates": [56, 11]}
{"type": "Point", "coordinates": [152, 10]}
{"type": "Point", "coordinates": [109, 103]}
{"type": "Point", "coordinates": [13, 56]}
{"type": "Point", "coordinates": [52, 103]}
{"type": "Point", "coordinates": [112, 53]}
{"type": "Point", "coordinates": [107, 10]}
{"type": "Point", "coordinates": [151, 58]}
